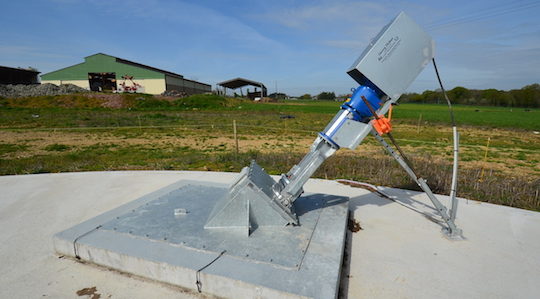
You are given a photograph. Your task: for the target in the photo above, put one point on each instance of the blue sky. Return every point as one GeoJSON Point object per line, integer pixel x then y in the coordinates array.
{"type": "Point", "coordinates": [303, 46]}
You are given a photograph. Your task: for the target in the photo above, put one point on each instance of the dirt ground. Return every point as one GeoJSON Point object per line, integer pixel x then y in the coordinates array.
{"type": "Point", "coordinates": [501, 155]}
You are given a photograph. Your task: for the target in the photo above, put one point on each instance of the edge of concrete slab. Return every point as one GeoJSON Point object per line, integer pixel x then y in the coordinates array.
{"type": "Point", "coordinates": [159, 260]}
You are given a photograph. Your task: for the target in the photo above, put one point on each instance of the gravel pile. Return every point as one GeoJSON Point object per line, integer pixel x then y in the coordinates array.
{"type": "Point", "coordinates": [174, 93]}
{"type": "Point", "coordinates": [19, 91]}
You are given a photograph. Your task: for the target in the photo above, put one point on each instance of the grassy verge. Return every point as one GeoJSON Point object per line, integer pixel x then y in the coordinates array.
{"type": "Point", "coordinates": [40, 135]}
{"type": "Point", "coordinates": [495, 187]}
{"type": "Point", "coordinates": [95, 110]}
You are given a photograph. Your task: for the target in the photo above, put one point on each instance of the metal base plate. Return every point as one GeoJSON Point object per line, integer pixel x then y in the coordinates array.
{"type": "Point", "coordinates": [147, 238]}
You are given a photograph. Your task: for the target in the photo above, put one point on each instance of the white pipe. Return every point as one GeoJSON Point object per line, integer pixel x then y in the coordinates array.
{"type": "Point", "coordinates": [453, 189]}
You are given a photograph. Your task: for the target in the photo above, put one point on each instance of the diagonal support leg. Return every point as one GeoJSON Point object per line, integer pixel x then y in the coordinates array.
{"type": "Point", "coordinates": [451, 230]}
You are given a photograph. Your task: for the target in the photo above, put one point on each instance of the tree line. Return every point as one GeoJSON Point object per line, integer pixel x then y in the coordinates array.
{"type": "Point", "coordinates": [527, 96]}
{"type": "Point", "coordinates": [323, 96]}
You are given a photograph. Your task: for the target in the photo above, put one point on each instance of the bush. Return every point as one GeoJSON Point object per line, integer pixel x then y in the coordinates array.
{"type": "Point", "coordinates": [328, 96]}
{"type": "Point", "coordinates": [528, 96]}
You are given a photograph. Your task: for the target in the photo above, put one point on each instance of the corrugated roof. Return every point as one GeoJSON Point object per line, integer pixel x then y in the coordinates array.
{"type": "Point", "coordinates": [19, 69]}
{"type": "Point", "coordinates": [125, 61]}
{"type": "Point", "coordinates": [240, 82]}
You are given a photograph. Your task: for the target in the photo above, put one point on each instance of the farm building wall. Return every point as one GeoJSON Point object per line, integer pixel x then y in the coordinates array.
{"type": "Point", "coordinates": [151, 86]}
{"type": "Point", "coordinates": [188, 86]}
{"type": "Point", "coordinates": [154, 81]}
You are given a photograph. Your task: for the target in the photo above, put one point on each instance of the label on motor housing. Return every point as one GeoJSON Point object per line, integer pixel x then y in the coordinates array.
{"type": "Point", "coordinates": [388, 48]}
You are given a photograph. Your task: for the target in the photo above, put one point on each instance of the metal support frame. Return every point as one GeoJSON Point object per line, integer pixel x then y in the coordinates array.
{"type": "Point", "coordinates": [289, 187]}
{"type": "Point", "coordinates": [384, 70]}
{"type": "Point", "coordinates": [255, 199]}
{"type": "Point", "coordinates": [451, 230]}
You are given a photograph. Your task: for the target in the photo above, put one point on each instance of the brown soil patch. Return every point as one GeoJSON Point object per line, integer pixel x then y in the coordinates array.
{"type": "Point", "coordinates": [505, 159]}
{"type": "Point", "coordinates": [90, 292]}
{"type": "Point", "coordinates": [353, 225]}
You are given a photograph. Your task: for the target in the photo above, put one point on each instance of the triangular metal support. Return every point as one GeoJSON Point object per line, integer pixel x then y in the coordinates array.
{"type": "Point", "coordinates": [250, 204]}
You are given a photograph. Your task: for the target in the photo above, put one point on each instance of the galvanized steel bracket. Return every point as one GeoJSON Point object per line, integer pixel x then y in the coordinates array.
{"type": "Point", "coordinates": [250, 204]}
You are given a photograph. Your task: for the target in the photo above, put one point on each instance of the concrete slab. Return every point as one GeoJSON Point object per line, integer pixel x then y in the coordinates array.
{"type": "Point", "coordinates": [145, 238]}
{"type": "Point", "coordinates": [398, 254]}
{"type": "Point", "coordinates": [402, 254]}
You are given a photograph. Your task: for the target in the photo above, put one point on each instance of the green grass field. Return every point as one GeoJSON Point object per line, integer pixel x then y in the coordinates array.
{"type": "Point", "coordinates": [38, 136]}
{"type": "Point", "coordinates": [489, 117]}
{"type": "Point", "coordinates": [499, 117]}
{"type": "Point", "coordinates": [24, 111]}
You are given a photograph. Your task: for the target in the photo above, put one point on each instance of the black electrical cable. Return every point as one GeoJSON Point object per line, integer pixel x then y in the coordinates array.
{"type": "Point", "coordinates": [444, 93]}
{"type": "Point", "coordinates": [75, 247]}
{"type": "Point", "coordinates": [197, 275]}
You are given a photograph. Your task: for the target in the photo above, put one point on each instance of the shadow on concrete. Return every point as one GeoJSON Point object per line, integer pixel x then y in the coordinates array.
{"type": "Point", "coordinates": [406, 197]}
{"type": "Point", "coordinates": [368, 199]}
{"type": "Point", "coordinates": [401, 197]}
{"type": "Point", "coordinates": [317, 201]}
{"type": "Point", "coordinates": [345, 275]}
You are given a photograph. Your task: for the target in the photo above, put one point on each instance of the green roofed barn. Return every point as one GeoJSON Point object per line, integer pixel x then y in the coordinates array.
{"type": "Point", "coordinates": [104, 72]}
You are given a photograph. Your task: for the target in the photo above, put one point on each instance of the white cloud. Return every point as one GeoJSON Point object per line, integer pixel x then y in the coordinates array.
{"type": "Point", "coordinates": [335, 24]}
{"type": "Point", "coordinates": [201, 20]}
{"type": "Point", "coordinates": [333, 11]}
{"type": "Point", "coordinates": [33, 56]}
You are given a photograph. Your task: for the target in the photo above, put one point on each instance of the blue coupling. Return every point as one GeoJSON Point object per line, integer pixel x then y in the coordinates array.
{"type": "Point", "coordinates": [358, 107]}
{"type": "Point", "coordinates": [355, 107]}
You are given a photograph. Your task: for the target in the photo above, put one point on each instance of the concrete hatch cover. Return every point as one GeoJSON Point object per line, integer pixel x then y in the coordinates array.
{"type": "Point", "coordinates": [161, 236]}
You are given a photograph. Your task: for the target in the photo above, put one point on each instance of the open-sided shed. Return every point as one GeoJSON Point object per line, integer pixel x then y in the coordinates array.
{"type": "Point", "coordinates": [241, 82]}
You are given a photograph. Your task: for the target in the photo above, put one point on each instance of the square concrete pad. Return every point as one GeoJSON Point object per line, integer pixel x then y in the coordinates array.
{"type": "Point", "coordinates": [145, 237]}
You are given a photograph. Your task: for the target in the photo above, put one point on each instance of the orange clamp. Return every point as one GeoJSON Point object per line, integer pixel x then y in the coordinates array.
{"type": "Point", "coordinates": [382, 124]}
